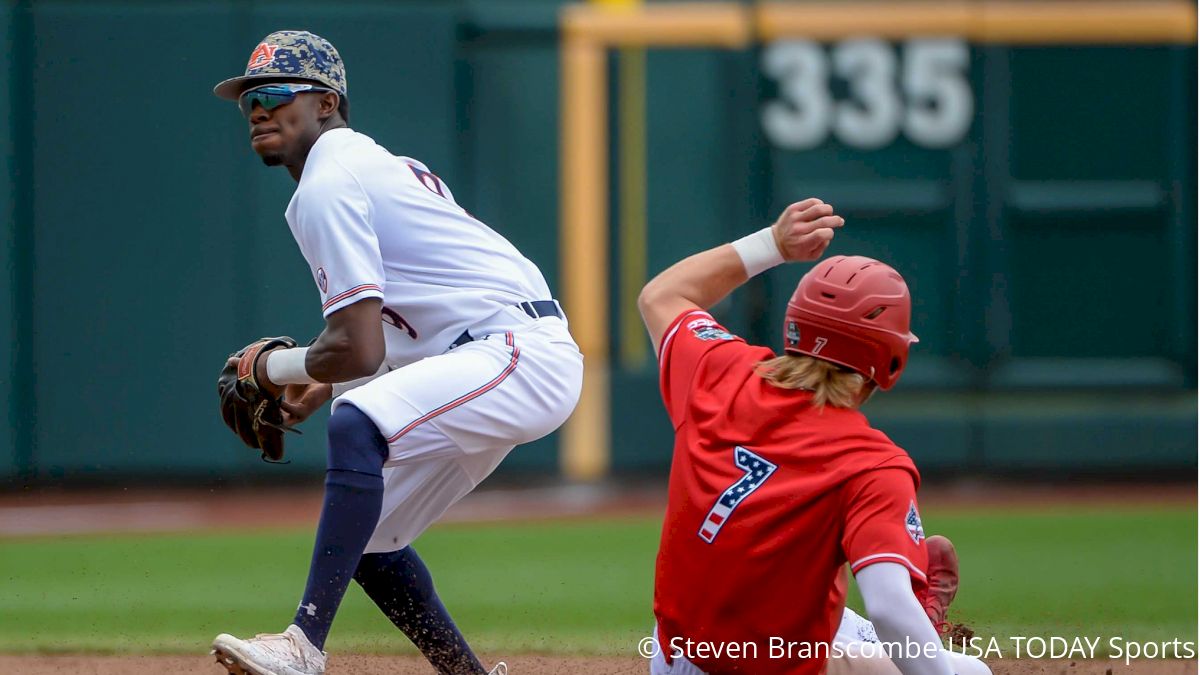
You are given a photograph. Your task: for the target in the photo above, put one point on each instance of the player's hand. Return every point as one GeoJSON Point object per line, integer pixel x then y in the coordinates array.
{"type": "Point", "coordinates": [804, 230]}
{"type": "Point", "coordinates": [300, 401]}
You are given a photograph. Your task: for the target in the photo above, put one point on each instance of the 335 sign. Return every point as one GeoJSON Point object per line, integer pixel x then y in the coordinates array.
{"type": "Point", "coordinates": [921, 90]}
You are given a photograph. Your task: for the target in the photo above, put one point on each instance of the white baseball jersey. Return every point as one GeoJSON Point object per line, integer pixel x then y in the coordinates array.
{"type": "Point", "coordinates": [371, 224]}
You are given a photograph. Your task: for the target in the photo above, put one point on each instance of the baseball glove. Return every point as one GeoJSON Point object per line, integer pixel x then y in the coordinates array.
{"type": "Point", "coordinates": [249, 411]}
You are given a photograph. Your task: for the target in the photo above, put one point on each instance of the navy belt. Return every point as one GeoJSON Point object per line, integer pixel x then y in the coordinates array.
{"type": "Point", "coordinates": [540, 308]}
{"type": "Point", "coordinates": [536, 309]}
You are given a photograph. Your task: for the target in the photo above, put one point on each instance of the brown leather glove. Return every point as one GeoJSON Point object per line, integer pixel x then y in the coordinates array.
{"type": "Point", "coordinates": [253, 414]}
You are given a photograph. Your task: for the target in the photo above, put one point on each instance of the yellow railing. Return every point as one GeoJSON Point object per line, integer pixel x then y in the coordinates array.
{"type": "Point", "coordinates": [589, 30]}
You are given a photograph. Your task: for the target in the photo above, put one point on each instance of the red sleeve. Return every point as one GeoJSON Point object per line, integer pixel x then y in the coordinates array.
{"type": "Point", "coordinates": [688, 352]}
{"type": "Point", "coordinates": [882, 522]}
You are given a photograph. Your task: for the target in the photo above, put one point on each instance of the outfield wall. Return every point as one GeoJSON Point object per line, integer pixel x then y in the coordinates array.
{"type": "Point", "coordinates": [1049, 236]}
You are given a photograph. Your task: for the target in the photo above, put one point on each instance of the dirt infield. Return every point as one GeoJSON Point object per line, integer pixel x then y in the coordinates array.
{"type": "Point", "coordinates": [521, 665]}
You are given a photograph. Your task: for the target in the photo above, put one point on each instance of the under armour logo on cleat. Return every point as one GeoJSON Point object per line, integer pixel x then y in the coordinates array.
{"type": "Point", "coordinates": [310, 608]}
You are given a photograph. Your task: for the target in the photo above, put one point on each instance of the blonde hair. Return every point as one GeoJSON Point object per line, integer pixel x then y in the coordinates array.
{"type": "Point", "coordinates": [829, 383]}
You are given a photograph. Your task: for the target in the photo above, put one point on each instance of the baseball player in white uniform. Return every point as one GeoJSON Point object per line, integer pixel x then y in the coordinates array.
{"type": "Point", "coordinates": [443, 349]}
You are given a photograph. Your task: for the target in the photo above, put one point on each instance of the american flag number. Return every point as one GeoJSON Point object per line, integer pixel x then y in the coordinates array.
{"type": "Point", "coordinates": [758, 470]}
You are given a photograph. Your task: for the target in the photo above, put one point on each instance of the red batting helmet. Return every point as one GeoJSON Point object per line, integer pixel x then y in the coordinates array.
{"type": "Point", "coordinates": [855, 312]}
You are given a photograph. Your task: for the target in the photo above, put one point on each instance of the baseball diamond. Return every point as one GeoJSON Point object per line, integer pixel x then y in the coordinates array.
{"type": "Point", "coordinates": [763, 337]}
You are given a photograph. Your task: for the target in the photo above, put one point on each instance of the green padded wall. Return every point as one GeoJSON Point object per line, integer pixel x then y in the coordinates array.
{"type": "Point", "coordinates": [133, 278]}
{"type": "Point", "coordinates": [1051, 251]}
{"type": "Point", "coordinates": [13, 456]}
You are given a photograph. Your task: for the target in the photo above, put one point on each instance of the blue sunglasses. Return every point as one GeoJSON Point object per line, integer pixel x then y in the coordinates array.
{"type": "Point", "coordinates": [271, 96]}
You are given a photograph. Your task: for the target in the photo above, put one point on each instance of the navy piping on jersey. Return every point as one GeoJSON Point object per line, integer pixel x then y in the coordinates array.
{"type": "Point", "coordinates": [353, 291]}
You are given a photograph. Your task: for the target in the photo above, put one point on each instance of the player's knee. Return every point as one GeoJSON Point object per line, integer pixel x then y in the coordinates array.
{"type": "Point", "coordinates": [370, 567]}
{"type": "Point", "coordinates": [355, 443]}
{"type": "Point", "coordinates": [401, 572]}
{"type": "Point", "coordinates": [420, 580]}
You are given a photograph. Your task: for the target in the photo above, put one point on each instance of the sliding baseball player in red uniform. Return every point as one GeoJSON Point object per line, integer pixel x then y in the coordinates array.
{"type": "Point", "coordinates": [778, 481]}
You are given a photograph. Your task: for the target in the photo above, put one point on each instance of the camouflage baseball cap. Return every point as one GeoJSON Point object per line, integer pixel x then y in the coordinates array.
{"type": "Point", "coordinates": [289, 54]}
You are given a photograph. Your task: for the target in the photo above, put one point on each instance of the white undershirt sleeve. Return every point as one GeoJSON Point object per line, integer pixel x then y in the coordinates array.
{"type": "Point", "coordinates": [898, 618]}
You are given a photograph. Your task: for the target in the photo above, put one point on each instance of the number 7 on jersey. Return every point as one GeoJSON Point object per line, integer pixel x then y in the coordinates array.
{"type": "Point", "coordinates": [758, 470]}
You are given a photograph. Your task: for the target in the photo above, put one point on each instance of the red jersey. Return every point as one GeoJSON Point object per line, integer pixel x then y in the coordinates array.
{"type": "Point", "coordinates": [769, 498]}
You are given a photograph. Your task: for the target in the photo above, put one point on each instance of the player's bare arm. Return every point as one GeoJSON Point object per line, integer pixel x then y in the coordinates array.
{"type": "Point", "coordinates": [352, 339]}
{"type": "Point", "coordinates": [801, 233]}
{"type": "Point", "coordinates": [350, 347]}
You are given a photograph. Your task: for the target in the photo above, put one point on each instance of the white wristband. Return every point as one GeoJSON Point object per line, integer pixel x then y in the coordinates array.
{"type": "Point", "coordinates": [286, 366]}
{"type": "Point", "coordinates": [758, 252]}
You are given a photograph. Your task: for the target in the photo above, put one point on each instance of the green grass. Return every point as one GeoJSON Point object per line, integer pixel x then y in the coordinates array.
{"type": "Point", "coordinates": [577, 587]}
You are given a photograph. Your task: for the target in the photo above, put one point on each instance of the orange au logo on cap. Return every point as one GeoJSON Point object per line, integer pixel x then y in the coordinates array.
{"type": "Point", "coordinates": [261, 56]}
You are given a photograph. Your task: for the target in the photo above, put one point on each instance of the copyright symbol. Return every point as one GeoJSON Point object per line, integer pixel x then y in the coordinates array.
{"type": "Point", "coordinates": [648, 647]}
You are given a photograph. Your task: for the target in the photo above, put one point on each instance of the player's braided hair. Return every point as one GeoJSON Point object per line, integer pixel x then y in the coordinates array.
{"type": "Point", "coordinates": [829, 383]}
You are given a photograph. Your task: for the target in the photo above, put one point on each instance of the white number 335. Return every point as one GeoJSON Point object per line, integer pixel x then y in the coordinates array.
{"type": "Point", "coordinates": [935, 113]}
